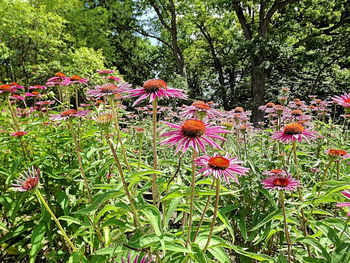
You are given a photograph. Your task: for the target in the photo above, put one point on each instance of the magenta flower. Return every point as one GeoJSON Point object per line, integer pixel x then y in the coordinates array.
{"type": "Point", "coordinates": [268, 108]}
{"type": "Point", "coordinates": [343, 100]}
{"type": "Point", "coordinates": [221, 166]}
{"type": "Point", "coordinates": [35, 87]}
{"type": "Point", "coordinates": [74, 80]}
{"type": "Point", "coordinates": [154, 88]}
{"type": "Point", "coordinates": [280, 182]}
{"type": "Point", "coordinates": [337, 154]}
{"type": "Point", "coordinates": [105, 72]}
{"type": "Point", "coordinates": [28, 181]}
{"type": "Point", "coordinates": [293, 132]}
{"type": "Point", "coordinates": [199, 108]}
{"type": "Point", "coordinates": [345, 204]}
{"type": "Point", "coordinates": [18, 134]}
{"type": "Point", "coordinates": [109, 89]}
{"type": "Point", "coordinates": [193, 133]}
{"type": "Point", "coordinates": [273, 172]}
{"type": "Point", "coordinates": [68, 114]}
{"type": "Point", "coordinates": [16, 97]}
{"type": "Point", "coordinates": [7, 89]}
{"type": "Point", "coordinates": [143, 260]}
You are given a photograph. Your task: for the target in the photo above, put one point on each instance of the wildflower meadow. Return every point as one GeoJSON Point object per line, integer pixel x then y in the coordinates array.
{"type": "Point", "coordinates": [174, 131]}
{"type": "Point", "coordinates": [104, 171]}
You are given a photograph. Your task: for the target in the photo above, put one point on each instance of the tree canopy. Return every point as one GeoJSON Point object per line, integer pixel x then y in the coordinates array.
{"type": "Point", "coordinates": [231, 52]}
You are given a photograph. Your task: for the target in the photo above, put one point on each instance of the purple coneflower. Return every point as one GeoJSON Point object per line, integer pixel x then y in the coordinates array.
{"type": "Point", "coordinates": [154, 88]}
{"type": "Point", "coordinates": [18, 134]}
{"type": "Point", "coordinates": [36, 87]}
{"type": "Point", "coordinates": [345, 204]}
{"type": "Point", "coordinates": [109, 89]}
{"type": "Point", "coordinates": [28, 181]}
{"type": "Point", "coordinates": [221, 166]}
{"type": "Point", "coordinates": [193, 133]}
{"type": "Point", "coordinates": [268, 108]}
{"type": "Point", "coordinates": [199, 109]}
{"type": "Point", "coordinates": [68, 114]}
{"type": "Point", "coordinates": [74, 80]}
{"type": "Point", "coordinates": [343, 100]}
{"type": "Point", "coordinates": [293, 132]}
{"type": "Point", "coordinates": [337, 154]}
{"type": "Point", "coordinates": [143, 260]}
{"type": "Point", "coordinates": [280, 182]}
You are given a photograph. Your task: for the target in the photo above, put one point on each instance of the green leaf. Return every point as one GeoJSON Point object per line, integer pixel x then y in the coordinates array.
{"type": "Point", "coordinates": [198, 254]}
{"type": "Point", "coordinates": [252, 255]}
{"type": "Point", "coordinates": [36, 241]}
{"type": "Point", "coordinates": [226, 222]}
{"type": "Point", "coordinates": [266, 219]}
{"type": "Point", "coordinates": [313, 242]}
{"type": "Point", "coordinates": [153, 215]}
{"type": "Point", "coordinates": [341, 254]}
{"type": "Point", "coordinates": [99, 201]}
{"type": "Point", "coordinates": [220, 254]}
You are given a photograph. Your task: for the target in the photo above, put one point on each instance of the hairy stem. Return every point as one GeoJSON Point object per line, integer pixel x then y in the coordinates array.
{"type": "Point", "coordinates": [215, 213]}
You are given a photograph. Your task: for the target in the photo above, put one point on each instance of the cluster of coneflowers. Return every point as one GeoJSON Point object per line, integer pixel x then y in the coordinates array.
{"type": "Point", "coordinates": [197, 131]}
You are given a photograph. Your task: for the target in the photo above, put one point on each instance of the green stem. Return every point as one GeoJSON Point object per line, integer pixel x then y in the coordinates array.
{"type": "Point", "coordinates": [140, 151]}
{"type": "Point", "coordinates": [132, 205]}
{"type": "Point", "coordinates": [155, 157]}
{"type": "Point", "coordinates": [319, 190]}
{"type": "Point", "coordinates": [215, 213]}
{"type": "Point", "coordinates": [194, 155]}
{"type": "Point", "coordinates": [76, 98]}
{"type": "Point", "coordinates": [41, 198]}
{"type": "Point", "coordinates": [119, 138]}
{"type": "Point", "coordinates": [285, 226]}
{"type": "Point", "coordinates": [203, 214]}
{"type": "Point", "coordinates": [14, 117]}
{"type": "Point", "coordinates": [304, 220]}
{"type": "Point", "coordinates": [77, 149]}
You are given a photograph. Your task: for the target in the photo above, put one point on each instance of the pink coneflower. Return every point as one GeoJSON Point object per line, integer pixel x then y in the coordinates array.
{"type": "Point", "coordinates": [293, 132]}
{"type": "Point", "coordinates": [16, 85]}
{"type": "Point", "coordinates": [16, 97]}
{"type": "Point", "coordinates": [6, 89]}
{"type": "Point", "coordinates": [113, 79]}
{"type": "Point", "coordinates": [154, 88]}
{"type": "Point", "coordinates": [193, 133]}
{"type": "Point", "coordinates": [28, 181]}
{"type": "Point", "coordinates": [109, 89]}
{"type": "Point", "coordinates": [337, 154]}
{"type": "Point", "coordinates": [343, 100]}
{"type": "Point", "coordinates": [68, 114]}
{"type": "Point", "coordinates": [221, 166]}
{"type": "Point", "coordinates": [18, 134]}
{"type": "Point", "coordinates": [33, 94]}
{"type": "Point", "coordinates": [74, 80]}
{"type": "Point", "coordinates": [345, 204]}
{"type": "Point", "coordinates": [109, 175]}
{"type": "Point", "coordinates": [199, 109]}
{"type": "Point", "coordinates": [279, 182]}
{"type": "Point", "coordinates": [136, 260]}
{"type": "Point", "coordinates": [268, 108]}
{"type": "Point", "coordinates": [36, 87]}
{"type": "Point", "coordinates": [275, 172]}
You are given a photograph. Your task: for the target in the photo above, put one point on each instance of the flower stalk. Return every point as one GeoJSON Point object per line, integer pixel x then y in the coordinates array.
{"type": "Point", "coordinates": [154, 146]}
{"type": "Point", "coordinates": [194, 155]}
{"type": "Point", "coordinates": [215, 213]}
{"type": "Point", "coordinates": [77, 149]}
{"type": "Point", "coordinates": [42, 200]}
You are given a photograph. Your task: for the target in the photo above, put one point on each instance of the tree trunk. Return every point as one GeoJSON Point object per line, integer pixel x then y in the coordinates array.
{"type": "Point", "coordinates": [258, 90]}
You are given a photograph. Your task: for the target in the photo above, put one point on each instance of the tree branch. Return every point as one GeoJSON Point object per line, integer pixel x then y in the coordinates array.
{"type": "Point", "coordinates": [242, 20]}
{"type": "Point", "coordinates": [160, 15]}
